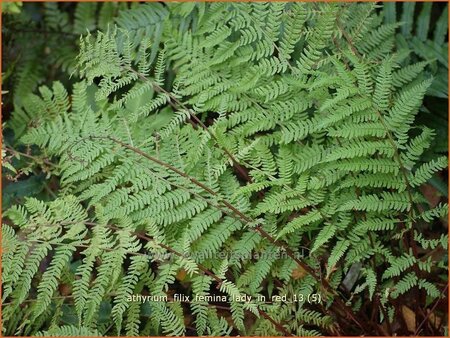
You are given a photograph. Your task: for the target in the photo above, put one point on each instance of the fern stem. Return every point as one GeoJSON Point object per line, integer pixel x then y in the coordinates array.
{"type": "Point", "coordinates": [34, 158]}
{"type": "Point", "coordinates": [388, 132]}
{"type": "Point", "coordinates": [239, 216]}
{"type": "Point", "coordinates": [348, 311]}
{"type": "Point", "coordinates": [397, 157]}
{"type": "Point", "coordinates": [431, 311]}
{"type": "Point", "coordinates": [193, 116]}
{"type": "Point", "coordinates": [195, 194]}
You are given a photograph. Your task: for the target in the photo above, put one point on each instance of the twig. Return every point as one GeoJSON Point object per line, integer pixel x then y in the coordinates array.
{"type": "Point", "coordinates": [36, 159]}
{"type": "Point", "coordinates": [431, 311]}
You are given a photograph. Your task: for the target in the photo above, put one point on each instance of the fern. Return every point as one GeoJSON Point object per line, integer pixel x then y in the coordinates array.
{"type": "Point", "coordinates": [252, 152]}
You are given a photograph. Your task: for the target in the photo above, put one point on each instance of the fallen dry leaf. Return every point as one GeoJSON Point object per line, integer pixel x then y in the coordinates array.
{"type": "Point", "coordinates": [65, 289]}
{"type": "Point", "coordinates": [299, 273]}
{"type": "Point", "coordinates": [435, 320]}
{"type": "Point", "coordinates": [410, 318]}
{"type": "Point", "coordinates": [431, 194]}
{"type": "Point", "coordinates": [181, 275]}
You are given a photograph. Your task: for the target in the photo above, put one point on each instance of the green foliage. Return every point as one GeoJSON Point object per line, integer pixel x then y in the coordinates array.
{"type": "Point", "coordinates": [424, 33]}
{"type": "Point", "coordinates": [11, 8]}
{"type": "Point", "coordinates": [202, 134]}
